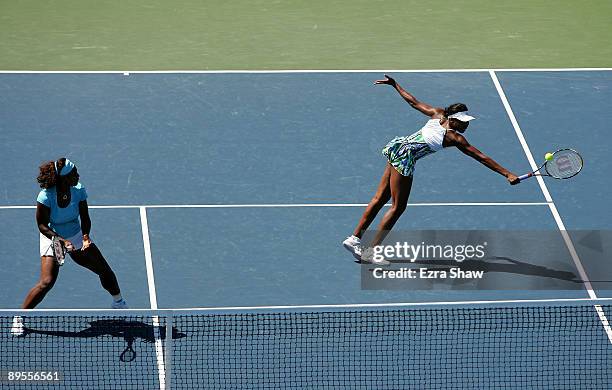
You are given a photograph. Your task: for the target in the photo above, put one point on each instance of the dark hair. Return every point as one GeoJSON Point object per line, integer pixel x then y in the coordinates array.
{"type": "Point", "coordinates": [47, 175]}
{"type": "Point", "coordinates": [454, 108]}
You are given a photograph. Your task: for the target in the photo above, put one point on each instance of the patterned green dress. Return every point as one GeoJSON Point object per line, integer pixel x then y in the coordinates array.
{"type": "Point", "coordinates": [403, 152]}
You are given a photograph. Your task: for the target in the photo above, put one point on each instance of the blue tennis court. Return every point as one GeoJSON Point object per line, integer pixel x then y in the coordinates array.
{"type": "Point", "coordinates": [224, 190]}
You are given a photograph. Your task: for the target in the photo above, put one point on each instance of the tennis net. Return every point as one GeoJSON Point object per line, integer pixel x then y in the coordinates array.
{"type": "Point", "coordinates": [553, 345]}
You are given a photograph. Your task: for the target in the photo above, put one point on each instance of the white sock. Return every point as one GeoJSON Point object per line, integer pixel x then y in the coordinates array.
{"type": "Point", "coordinates": [117, 297]}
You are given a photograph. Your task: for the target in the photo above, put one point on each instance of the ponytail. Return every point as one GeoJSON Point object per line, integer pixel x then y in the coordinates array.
{"type": "Point", "coordinates": [48, 172]}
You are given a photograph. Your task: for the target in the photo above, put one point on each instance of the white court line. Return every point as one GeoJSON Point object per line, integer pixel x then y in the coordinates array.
{"type": "Point", "coordinates": [159, 353]}
{"type": "Point", "coordinates": [604, 321]}
{"type": "Point", "coordinates": [289, 71]}
{"type": "Point", "coordinates": [553, 208]}
{"type": "Point", "coordinates": [159, 350]}
{"type": "Point", "coordinates": [391, 304]}
{"type": "Point", "coordinates": [271, 205]}
{"type": "Point", "coordinates": [148, 258]}
{"type": "Point", "coordinates": [169, 348]}
{"type": "Point", "coordinates": [330, 306]}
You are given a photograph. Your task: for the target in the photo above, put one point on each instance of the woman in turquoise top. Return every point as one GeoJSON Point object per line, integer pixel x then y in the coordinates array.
{"type": "Point", "coordinates": [60, 204]}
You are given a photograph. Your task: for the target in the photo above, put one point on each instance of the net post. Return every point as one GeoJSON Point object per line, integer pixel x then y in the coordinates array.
{"type": "Point", "coordinates": [169, 326]}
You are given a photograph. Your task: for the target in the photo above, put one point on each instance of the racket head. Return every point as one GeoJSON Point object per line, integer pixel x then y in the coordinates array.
{"type": "Point", "coordinates": [128, 354]}
{"type": "Point", "coordinates": [565, 163]}
{"type": "Point", "coordinates": [59, 251]}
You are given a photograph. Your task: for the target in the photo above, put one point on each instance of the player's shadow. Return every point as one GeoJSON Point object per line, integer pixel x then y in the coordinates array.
{"type": "Point", "coordinates": [128, 330]}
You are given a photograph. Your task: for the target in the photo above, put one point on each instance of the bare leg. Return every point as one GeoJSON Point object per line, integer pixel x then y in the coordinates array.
{"type": "Point", "coordinates": [382, 196]}
{"type": "Point", "coordinates": [92, 259]}
{"type": "Point", "coordinates": [400, 191]}
{"type": "Point", "coordinates": [49, 269]}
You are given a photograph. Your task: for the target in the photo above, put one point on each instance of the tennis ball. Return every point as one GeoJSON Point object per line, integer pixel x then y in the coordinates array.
{"type": "Point", "coordinates": [548, 156]}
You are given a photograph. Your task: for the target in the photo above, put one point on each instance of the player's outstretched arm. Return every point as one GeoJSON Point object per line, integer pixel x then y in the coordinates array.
{"type": "Point", "coordinates": [430, 111]}
{"type": "Point", "coordinates": [462, 144]}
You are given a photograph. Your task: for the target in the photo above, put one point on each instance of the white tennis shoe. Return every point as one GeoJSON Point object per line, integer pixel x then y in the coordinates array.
{"type": "Point", "coordinates": [120, 304]}
{"type": "Point", "coordinates": [353, 245]}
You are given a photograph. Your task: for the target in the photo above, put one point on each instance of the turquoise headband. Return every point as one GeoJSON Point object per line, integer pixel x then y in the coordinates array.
{"type": "Point", "coordinates": [66, 169]}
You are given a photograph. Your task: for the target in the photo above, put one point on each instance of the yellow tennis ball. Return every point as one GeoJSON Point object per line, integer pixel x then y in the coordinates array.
{"type": "Point", "coordinates": [548, 156]}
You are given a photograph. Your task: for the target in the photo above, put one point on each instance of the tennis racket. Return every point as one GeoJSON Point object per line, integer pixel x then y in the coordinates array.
{"type": "Point", "coordinates": [565, 163]}
{"type": "Point", "coordinates": [59, 250]}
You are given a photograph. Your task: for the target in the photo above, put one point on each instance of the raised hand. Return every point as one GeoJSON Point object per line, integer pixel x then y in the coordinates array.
{"type": "Point", "coordinates": [388, 80]}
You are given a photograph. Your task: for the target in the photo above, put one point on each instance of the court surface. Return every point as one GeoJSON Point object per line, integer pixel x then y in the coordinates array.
{"type": "Point", "coordinates": [235, 189]}
{"type": "Point", "coordinates": [248, 182]}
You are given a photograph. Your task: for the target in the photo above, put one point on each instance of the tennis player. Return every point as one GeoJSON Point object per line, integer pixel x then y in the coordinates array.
{"type": "Point", "coordinates": [444, 129]}
{"type": "Point", "coordinates": [60, 204]}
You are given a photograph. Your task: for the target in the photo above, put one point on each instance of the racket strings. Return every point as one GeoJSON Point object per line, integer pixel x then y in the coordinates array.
{"type": "Point", "coordinates": [564, 164]}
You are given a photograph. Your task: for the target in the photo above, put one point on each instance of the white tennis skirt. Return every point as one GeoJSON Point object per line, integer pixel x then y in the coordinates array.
{"type": "Point", "coordinates": [46, 245]}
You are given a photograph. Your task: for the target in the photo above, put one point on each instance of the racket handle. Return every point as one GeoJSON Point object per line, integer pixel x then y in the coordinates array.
{"type": "Point", "coordinates": [525, 176]}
